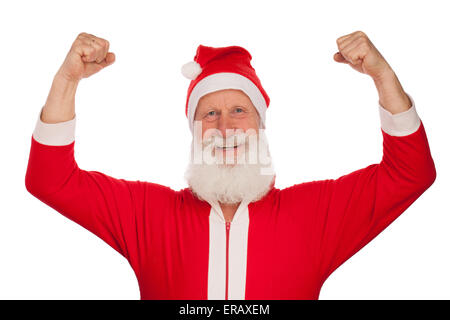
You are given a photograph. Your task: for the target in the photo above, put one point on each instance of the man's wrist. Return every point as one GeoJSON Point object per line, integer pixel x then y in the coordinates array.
{"type": "Point", "coordinates": [387, 75]}
{"type": "Point", "coordinates": [61, 78]}
{"type": "Point", "coordinates": [60, 104]}
{"type": "Point", "coordinates": [392, 97]}
{"type": "Point", "coordinates": [63, 87]}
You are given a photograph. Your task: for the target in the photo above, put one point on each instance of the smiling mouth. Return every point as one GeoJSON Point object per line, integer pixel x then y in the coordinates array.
{"type": "Point", "coordinates": [229, 147]}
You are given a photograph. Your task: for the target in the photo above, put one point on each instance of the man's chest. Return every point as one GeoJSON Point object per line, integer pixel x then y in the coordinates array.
{"type": "Point", "coordinates": [259, 255]}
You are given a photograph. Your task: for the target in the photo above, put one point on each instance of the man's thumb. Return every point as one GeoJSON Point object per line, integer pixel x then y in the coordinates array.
{"type": "Point", "coordinates": [109, 59]}
{"type": "Point", "coordinates": [339, 58]}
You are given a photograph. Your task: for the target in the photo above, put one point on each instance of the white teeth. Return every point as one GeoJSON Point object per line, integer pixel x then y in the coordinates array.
{"type": "Point", "coordinates": [231, 143]}
{"type": "Point", "coordinates": [227, 147]}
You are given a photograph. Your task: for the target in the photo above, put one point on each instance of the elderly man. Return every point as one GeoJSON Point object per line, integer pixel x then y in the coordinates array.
{"type": "Point", "coordinates": [231, 234]}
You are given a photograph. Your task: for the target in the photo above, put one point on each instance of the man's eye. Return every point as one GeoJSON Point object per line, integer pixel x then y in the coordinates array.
{"type": "Point", "coordinates": [211, 115]}
{"type": "Point", "coordinates": [239, 110]}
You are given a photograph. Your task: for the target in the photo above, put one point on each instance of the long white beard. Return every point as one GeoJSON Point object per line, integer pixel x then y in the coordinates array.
{"type": "Point", "coordinates": [248, 179]}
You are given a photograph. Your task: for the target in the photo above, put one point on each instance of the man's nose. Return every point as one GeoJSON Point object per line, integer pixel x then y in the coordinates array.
{"type": "Point", "coordinates": [225, 123]}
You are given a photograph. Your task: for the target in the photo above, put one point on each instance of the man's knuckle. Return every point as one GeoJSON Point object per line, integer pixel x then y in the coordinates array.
{"type": "Point", "coordinates": [364, 45]}
{"type": "Point", "coordinates": [102, 42]}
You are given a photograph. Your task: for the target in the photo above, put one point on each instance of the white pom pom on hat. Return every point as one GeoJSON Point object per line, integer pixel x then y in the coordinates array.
{"type": "Point", "coordinates": [191, 70]}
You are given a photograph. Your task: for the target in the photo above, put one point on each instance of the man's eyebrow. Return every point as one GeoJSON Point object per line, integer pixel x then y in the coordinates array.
{"type": "Point", "coordinates": [208, 107]}
{"type": "Point", "coordinates": [240, 105]}
{"type": "Point", "coordinates": [205, 109]}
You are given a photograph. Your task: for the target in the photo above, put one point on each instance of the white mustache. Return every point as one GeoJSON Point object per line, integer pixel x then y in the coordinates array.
{"type": "Point", "coordinates": [231, 141]}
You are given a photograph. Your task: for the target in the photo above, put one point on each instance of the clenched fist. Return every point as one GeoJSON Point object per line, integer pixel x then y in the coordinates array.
{"type": "Point", "coordinates": [359, 52]}
{"type": "Point", "coordinates": [88, 55]}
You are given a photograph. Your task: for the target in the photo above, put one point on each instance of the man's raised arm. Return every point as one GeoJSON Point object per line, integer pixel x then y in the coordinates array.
{"type": "Point", "coordinates": [356, 207]}
{"type": "Point", "coordinates": [340, 216]}
{"type": "Point", "coordinates": [110, 208]}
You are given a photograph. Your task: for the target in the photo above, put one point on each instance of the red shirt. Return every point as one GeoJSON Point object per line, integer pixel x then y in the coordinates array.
{"type": "Point", "coordinates": [283, 246]}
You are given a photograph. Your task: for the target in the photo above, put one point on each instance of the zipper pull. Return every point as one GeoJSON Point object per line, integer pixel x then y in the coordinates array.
{"type": "Point", "coordinates": [228, 225]}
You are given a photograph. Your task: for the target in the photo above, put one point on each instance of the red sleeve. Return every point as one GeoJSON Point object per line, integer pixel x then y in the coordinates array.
{"type": "Point", "coordinates": [340, 216]}
{"type": "Point", "coordinates": [356, 207]}
{"type": "Point", "coordinates": [113, 209]}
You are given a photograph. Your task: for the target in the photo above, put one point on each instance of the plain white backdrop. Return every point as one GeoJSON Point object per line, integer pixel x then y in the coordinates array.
{"type": "Point", "coordinates": [322, 122]}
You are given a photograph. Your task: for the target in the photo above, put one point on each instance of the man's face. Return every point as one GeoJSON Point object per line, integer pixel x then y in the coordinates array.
{"type": "Point", "coordinates": [226, 109]}
{"type": "Point", "coordinates": [219, 113]}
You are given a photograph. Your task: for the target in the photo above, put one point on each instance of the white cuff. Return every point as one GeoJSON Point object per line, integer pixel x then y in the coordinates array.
{"type": "Point", "coordinates": [400, 124]}
{"type": "Point", "coordinates": [54, 134]}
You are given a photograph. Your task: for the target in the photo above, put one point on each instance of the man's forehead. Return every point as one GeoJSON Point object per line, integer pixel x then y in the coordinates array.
{"type": "Point", "coordinates": [224, 94]}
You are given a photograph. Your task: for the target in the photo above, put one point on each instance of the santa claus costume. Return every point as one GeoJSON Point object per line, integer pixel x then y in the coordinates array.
{"type": "Point", "coordinates": [282, 246]}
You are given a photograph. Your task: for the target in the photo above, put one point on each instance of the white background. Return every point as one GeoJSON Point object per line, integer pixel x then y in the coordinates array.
{"type": "Point", "coordinates": [322, 122]}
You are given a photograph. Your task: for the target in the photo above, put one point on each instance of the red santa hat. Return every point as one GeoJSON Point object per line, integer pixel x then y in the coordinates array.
{"type": "Point", "coordinates": [221, 68]}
